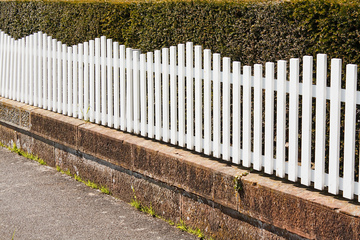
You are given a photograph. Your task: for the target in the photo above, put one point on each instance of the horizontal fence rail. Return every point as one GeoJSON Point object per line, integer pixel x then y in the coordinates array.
{"type": "Point", "coordinates": [304, 131]}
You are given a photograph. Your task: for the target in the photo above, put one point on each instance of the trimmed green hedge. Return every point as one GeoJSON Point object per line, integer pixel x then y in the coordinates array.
{"type": "Point", "coordinates": [249, 32]}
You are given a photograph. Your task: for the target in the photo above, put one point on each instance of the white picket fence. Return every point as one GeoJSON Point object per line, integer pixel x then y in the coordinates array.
{"type": "Point", "coordinates": [195, 99]}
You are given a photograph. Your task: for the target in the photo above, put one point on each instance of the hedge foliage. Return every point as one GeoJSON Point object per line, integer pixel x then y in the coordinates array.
{"type": "Point", "coordinates": [247, 31]}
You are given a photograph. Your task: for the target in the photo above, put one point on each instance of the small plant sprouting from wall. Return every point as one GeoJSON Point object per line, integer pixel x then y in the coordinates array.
{"type": "Point", "coordinates": [238, 186]}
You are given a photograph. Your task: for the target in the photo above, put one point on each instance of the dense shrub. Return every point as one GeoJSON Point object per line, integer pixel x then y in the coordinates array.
{"type": "Point", "coordinates": [247, 31]}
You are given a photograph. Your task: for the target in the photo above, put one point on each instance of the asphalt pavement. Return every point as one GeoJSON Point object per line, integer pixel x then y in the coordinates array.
{"type": "Point", "coordinates": [37, 202]}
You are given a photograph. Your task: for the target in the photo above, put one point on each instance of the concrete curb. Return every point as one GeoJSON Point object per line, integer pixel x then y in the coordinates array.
{"type": "Point", "coordinates": [177, 183]}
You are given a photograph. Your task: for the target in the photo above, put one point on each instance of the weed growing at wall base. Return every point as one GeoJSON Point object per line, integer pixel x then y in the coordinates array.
{"type": "Point", "coordinates": [15, 149]}
{"type": "Point", "coordinates": [89, 183]}
{"type": "Point", "coordinates": [181, 225]}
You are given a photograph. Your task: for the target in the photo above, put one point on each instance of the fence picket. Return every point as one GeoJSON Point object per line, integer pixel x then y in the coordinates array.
{"type": "Point", "coordinates": [64, 79]}
{"type": "Point", "coordinates": [129, 91]}
{"type": "Point", "coordinates": [246, 116]}
{"type": "Point", "coordinates": [92, 79]}
{"type": "Point", "coordinates": [173, 96]}
{"type": "Point", "coordinates": [45, 50]}
{"type": "Point", "coordinates": [59, 74]}
{"type": "Point", "coordinates": [150, 83]}
{"type": "Point", "coordinates": [103, 81]}
{"type": "Point", "coordinates": [80, 108]}
{"type": "Point", "coordinates": [165, 94]}
{"type": "Point", "coordinates": [236, 113]}
{"type": "Point", "coordinates": [198, 99]}
{"type": "Point", "coordinates": [226, 109]}
{"type": "Point", "coordinates": [110, 83]}
{"type": "Point", "coordinates": [157, 95]}
{"type": "Point", "coordinates": [281, 120]}
{"type": "Point", "coordinates": [14, 69]}
{"type": "Point", "coordinates": [97, 80]}
{"type": "Point", "coordinates": [136, 79]}
{"type": "Point", "coordinates": [189, 96]}
{"type": "Point", "coordinates": [49, 68]}
{"type": "Point", "coordinates": [86, 109]}
{"type": "Point", "coordinates": [36, 69]}
{"type": "Point", "coordinates": [54, 76]}
{"type": "Point", "coordinates": [2, 67]}
{"type": "Point", "coordinates": [122, 89]}
{"type": "Point", "coordinates": [258, 77]}
{"type": "Point", "coordinates": [306, 120]}
{"type": "Point", "coordinates": [207, 101]}
{"type": "Point", "coordinates": [181, 93]}
{"type": "Point", "coordinates": [334, 151]}
{"type": "Point", "coordinates": [269, 118]}
{"type": "Point", "coordinates": [143, 94]}
{"type": "Point", "coordinates": [7, 70]}
{"type": "Point", "coordinates": [116, 86]}
{"type": "Point", "coordinates": [23, 64]}
{"type": "Point", "coordinates": [217, 106]}
{"type": "Point", "coordinates": [14, 80]}
{"type": "Point", "coordinates": [293, 120]}
{"type": "Point", "coordinates": [349, 144]}
{"type": "Point", "coordinates": [321, 72]}
{"type": "Point", "coordinates": [11, 69]}
{"type": "Point", "coordinates": [70, 80]}
{"type": "Point", "coordinates": [75, 95]}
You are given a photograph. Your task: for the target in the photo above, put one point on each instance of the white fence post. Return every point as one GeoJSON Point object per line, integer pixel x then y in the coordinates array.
{"type": "Point", "coordinates": [143, 95]}
{"type": "Point", "coordinates": [281, 121]}
{"type": "Point", "coordinates": [236, 113]}
{"type": "Point", "coordinates": [293, 120]}
{"type": "Point", "coordinates": [321, 72]}
{"type": "Point", "coordinates": [150, 84]}
{"type": "Point", "coordinates": [207, 101]}
{"type": "Point", "coordinates": [75, 93]}
{"type": "Point", "coordinates": [158, 95]}
{"type": "Point", "coordinates": [258, 78]}
{"type": "Point", "coordinates": [246, 116]}
{"type": "Point", "coordinates": [181, 93]}
{"type": "Point", "coordinates": [306, 121]}
{"type": "Point", "coordinates": [189, 96]}
{"type": "Point", "coordinates": [269, 118]}
{"type": "Point", "coordinates": [110, 83]}
{"type": "Point", "coordinates": [165, 94]}
{"type": "Point", "coordinates": [349, 144]}
{"type": "Point", "coordinates": [129, 90]}
{"type": "Point", "coordinates": [136, 90]}
{"type": "Point", "coordinates": [198, 99]}
{"type": "Point", "coordinates": [334, 151]}
{"type": "Point", "coordinates": [173, 96]}
{"type": "Point", "coordinates": [226, 109]}
{"type": "Point", "coordinates": [116, 86]}
{"type": "Point", "coordinates": [80, 109]}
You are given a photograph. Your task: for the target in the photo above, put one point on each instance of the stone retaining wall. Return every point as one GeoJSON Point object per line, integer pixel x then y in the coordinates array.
{"type": "Point", "coordinates": [177, 183]}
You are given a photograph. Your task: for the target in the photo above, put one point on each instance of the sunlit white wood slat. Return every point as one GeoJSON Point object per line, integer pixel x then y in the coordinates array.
{"type": "Point", "coordinates": [321, 72]}
{"type": "Point", "coordinates": [334, 151]}
{"type": "Point", "coordinates": [306, 121]}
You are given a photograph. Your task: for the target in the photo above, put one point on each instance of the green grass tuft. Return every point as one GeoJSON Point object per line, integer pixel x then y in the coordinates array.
{"type": "Point", "coordinates": [105, 190]}
{"type": "Point", "coordinates": [92, 185]}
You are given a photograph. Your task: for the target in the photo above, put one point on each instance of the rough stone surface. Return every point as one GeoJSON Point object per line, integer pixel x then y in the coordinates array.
{"type": "Point", "coordinates": [36, 147]}
{"type": "Point", "coordinates": [217, 224]}
{"type": "Point", "coordinates": [7, 135]}
{"type": "Point", "coordinates": [54, 126]}
{"type": "Point", "coordinates": [9, 114]}
{"type": "Point", "coordinates": [165, 202]}
{"type": "Point", "coordinates": [105, 144]}
{"type": "Point", "coordinates": [121, 185]}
